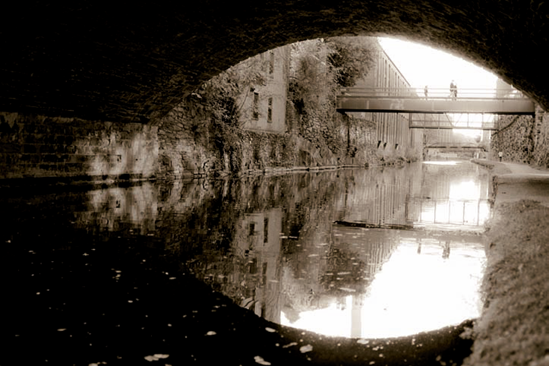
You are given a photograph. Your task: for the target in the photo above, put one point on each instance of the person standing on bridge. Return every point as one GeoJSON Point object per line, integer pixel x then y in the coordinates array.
{"type": "Point", "coordinates": [426, 91]}
{"type": "Point", "coordinates": [453, 90]}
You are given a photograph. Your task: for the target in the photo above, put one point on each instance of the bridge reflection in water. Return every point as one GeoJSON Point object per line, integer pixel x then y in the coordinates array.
{"type": "Point", "coordinates": [446, 211]}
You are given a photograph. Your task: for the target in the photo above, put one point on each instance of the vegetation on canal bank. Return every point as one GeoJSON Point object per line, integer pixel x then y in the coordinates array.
{"type": "Point", "coordinates": [513, 327]}
{"type": "Point", "coordinates": [204, 135]}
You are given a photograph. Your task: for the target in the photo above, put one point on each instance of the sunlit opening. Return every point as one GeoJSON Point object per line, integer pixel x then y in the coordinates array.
{"type": "Point", "coordinates": [418, 289]}
{"type": "Point", "coordinates": [424, 65]}
{"type": "Point", "coordinates": [434, 70]}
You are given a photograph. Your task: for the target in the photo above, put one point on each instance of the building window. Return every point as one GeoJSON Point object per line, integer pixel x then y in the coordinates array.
{"type": "Point", "coordinates": [264, 282]}
{"type": "Point", "coordinates": [251, 231]}
{"type": "Point", "coordinates": [271, 62]}
{"type": "Point", "coordinates": [253, 266]}
{"type": "Point", "coordinates": [266, 230]}
{"type": "Point", "coordinates": [255, 108]}
{"type": "Point", "coordinates": [270, 111]}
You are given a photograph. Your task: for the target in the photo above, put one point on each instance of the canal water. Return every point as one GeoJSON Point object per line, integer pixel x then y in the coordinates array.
{"type": "Point", "coordinates": [289, 263]}
{"type": "Point", "coordinates": [381, 252]}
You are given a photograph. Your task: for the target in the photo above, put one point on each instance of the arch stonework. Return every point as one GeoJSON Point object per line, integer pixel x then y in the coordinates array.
{"type": "Point", "coordinates": [134, 64]}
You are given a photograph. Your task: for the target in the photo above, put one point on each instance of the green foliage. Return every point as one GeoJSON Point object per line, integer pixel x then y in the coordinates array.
{"type": "Point", "coordinates": [351, 58]}
{"type": "Point", "coordinates": [220, 97]}
{"type": "Point", "coordinates": [319, 69]}
{"type": "Point", "coordinates": [312, 83]}
{"type": "Point", "coordinates": [221, 93]}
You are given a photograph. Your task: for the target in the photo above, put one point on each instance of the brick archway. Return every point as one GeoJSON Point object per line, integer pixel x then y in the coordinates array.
{"type": "Point", "coordinates": [135, 63]}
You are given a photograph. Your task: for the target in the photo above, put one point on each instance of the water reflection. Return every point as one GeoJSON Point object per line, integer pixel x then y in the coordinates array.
{"type": "Point", "coordinates": [109, 209]}
{"type": "Point", "coordinates": [271, 245]}
{"type": "Point", "coordinates": [420, 281]}
{"type": "Point", "coordinates": [453, 194]}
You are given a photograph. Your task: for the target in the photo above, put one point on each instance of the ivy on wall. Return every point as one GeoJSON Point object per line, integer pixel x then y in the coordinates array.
{"type": "Point", "coordinates": [205, 133]}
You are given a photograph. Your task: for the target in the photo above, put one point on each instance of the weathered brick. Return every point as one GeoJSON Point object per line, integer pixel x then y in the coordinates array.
{"type": "Point", "coordinates": [30, 158]}
{"type": "Point", "coordinates": [10, 148]}
{"type": "Point", "coordinates": [75, 158]}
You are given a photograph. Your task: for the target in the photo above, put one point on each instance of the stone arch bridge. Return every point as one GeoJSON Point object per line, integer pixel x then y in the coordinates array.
{"type": "Point", "coordinates": [133, 64]}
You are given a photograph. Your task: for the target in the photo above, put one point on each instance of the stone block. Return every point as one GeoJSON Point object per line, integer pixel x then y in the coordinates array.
{"type": "Point", "coordinates": [10, 148]}
{"type": "Point", "coordinates": [30, 159]}
{"type": "Point", "coordinates": [48, 167]}
{"type": "Point", "coordinates": [30, 149]}
{"type": "Point", "coordinates": [73, 168]}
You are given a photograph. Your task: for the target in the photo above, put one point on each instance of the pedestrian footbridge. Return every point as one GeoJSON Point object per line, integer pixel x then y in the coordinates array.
{"type": "Point", "coordinates": [456, 121]}
{"type": "Point", "coordinates": [435, 101]}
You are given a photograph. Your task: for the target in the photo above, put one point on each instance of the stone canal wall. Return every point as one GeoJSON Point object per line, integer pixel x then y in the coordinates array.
{"type": "Point", "coordinates": [522, 139]}
{"type": "Point", "coordinates": [242, 121]}
{"type": "Point", "coordinates": [34, 146]}
{"type": "Point", "coordinates": [185, 144]}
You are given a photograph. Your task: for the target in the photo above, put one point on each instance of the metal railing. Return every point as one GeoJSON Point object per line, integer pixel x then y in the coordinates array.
{"type": "Point", "coordinates": [433, 93]}
{"type": "Point", "coordinates": [449, 211]}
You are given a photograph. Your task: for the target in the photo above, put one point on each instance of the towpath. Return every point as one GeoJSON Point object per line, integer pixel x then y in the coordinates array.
{"type": "Point", "coordinates": [513, 324]}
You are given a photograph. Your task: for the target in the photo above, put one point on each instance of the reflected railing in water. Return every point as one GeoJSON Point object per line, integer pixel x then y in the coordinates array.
{"type": "Point", "coordinates": [472, 213]}
{"type": "Point", "coordinates": [271, 245]}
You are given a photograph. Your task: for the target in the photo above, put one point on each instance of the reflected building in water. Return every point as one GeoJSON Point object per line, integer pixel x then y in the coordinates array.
{"type": "Point", "coordinates": [260, 242]}
{"type": "Point", "coordinates": [271, 245]}
{"type": "Point", "coordinates": [382, 198]}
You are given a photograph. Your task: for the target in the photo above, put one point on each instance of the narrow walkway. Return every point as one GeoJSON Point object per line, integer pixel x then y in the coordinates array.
{"type": "Point", "coordinates": [518, 168]}
{"type": "Point", "coordinates": [513, 323]}
{"type": "Point", "coordinates": [513, 182]}
{"type": "Point", "coordinates": [513, 168]}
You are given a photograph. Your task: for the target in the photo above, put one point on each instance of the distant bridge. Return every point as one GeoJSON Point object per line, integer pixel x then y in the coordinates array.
{"type": "Point", "coordinates": [437, 101]}
{"type": "Point", "coordinates": [455, 145]}
{"type": "Point", "coordinates": [455, 122]}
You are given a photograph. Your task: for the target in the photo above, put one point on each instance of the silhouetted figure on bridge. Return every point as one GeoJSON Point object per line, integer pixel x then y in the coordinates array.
{"type": "Point", "coordinates": [453, 90]}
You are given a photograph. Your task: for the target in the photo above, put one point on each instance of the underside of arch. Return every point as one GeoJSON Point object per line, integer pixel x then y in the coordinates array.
{"type": "Point", "coordinates": [135, 63]}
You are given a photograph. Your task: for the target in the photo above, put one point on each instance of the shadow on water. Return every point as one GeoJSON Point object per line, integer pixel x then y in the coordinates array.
{"type": "Point", "coordinates": [95, 268]}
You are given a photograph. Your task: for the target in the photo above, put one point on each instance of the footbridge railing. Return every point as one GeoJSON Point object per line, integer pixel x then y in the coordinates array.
{"type": "Point", "coordinates": [436, 100]}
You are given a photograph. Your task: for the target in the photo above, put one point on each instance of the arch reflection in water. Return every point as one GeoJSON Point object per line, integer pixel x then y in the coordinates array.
{"type": "Point", "coordinates": [289, 263]}
{"type": "Point", "coordinates": [423, 285]}
{"type": "Point", "coordinates": [271, 245]}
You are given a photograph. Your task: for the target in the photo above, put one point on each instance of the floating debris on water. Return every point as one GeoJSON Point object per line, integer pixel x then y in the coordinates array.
{"type": "Point", "coordinates": [290, 345]}
{"type": "Point", "coordinates": [261, 361]}
{"type": "Point", "coordinates": [156, 357]}
{"type": "Point", "coordinates": [305, 349]}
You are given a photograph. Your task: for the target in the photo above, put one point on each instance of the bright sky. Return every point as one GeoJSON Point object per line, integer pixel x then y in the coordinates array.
{"type": "Point", "coordinates": [423, 65]}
